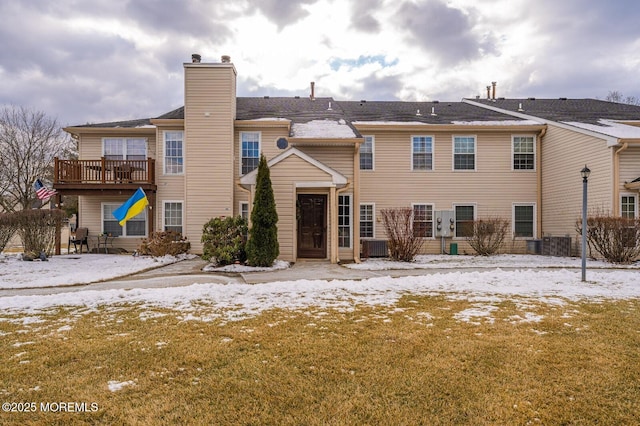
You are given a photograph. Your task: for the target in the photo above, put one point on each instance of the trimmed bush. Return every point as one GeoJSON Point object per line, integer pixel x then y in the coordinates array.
{"type": "Point", "coordinates": [617, 239]}
{"type": "Point", "coordinates": [488, 235]}
{"type": "Point", "coordinates": [163, 243]}
{"type": "Point", "coordinates": [263, 247]}
{"type": "Point", "coordinates": [404, 243]}
{"type": "Point", "coordinates": [224, 240]}
{"type": "Point", "coordinates": [37, 229]}
{"type": "Point", "coordinates": [8, 227]}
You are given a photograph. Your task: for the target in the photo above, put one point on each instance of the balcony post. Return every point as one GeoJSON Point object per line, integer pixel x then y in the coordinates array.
{"type": "Point", "coordinates": [56, 178]}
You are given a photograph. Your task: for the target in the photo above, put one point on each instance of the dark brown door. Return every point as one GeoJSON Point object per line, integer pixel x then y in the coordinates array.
{"type": "Point", "coordinates": [312, 226]}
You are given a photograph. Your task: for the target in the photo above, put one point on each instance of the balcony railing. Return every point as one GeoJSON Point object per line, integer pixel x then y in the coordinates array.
{"type": "Point", "coordinates": [105, 171]}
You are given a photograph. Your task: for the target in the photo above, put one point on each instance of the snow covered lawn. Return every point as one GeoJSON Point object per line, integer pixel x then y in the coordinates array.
{"type": "Point", "coordinates": [547, 279]}
{"type": "Point", "coordinates": [73, 269]}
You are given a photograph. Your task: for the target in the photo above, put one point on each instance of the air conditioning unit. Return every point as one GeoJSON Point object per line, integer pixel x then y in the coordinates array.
{"type": "Point", "coordinates": [374, 248]}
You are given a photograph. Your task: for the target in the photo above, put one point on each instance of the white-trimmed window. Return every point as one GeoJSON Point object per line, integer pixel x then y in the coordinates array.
{"type": "Point", "coordinates": [344, 221]}
{"type": "Point", "coordinates": [174, 152]}
{"type": "Point", "coordinates": [524, 220]}
{"type": "Point", "coordinates": [421, 152]}
{"type": "Point", "coordinates": [422, 222]}
{"type": "Point", "coordinates": [465, 215]}
{"type": "Point", "coordinates": [629, 206]}
{"type": "Point", "coordinates": [464, 153]}
{"type": "Point", "coordinates": [367, 220]}
{"type": "Point", "coordinates": [173, 215]}
{"type": "Point", "coordinates": [250, 151]}
{"type": "Point", "coordinates": [244, 210]}
{"type": "Point", "coordinates": [524, 152]}
{"type": "Point", "coordinates": [134, 227]}
{"type": "Point", "coordinates": [367, 153]}
{"type": "Point", "coordinates": [124, 148]}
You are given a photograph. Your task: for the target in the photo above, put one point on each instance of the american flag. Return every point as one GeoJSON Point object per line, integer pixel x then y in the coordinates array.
{"type": "Point", "coordinates": [42, 191]}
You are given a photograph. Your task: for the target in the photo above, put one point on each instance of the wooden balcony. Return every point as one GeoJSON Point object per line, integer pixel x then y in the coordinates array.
{"type": "Point", "coordinates": [83, 177]}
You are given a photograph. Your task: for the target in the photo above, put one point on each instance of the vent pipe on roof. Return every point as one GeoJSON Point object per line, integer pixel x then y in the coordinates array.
{"type": "Point", "coordinates": [196, 58]}
{"type": "Point", "coordinates": [488, 92]}
{"type": "Point", "coordinates": [313, 92]}
{"type": "Point", "coordinates": [226, 59]}
{"type": "Point", "coordinates": [493, 84]}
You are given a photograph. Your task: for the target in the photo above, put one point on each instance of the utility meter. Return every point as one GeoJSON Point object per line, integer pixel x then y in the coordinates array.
{"type": "Point", "coordinates": [445, 223]}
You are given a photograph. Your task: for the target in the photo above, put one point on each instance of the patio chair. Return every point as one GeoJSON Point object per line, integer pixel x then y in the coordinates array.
{"type": "Point", "coordinates": [81, 237]}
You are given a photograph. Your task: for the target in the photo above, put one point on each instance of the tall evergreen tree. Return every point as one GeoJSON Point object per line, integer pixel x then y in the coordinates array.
{"type": "Point", "coordinates": [263, 248]}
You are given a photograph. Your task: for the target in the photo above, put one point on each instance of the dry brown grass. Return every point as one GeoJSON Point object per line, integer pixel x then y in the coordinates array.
{"type": "Point", "coordinates": [414, 363]}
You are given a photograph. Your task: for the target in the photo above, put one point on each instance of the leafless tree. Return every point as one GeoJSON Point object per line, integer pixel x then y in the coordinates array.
{"type": "Point", "coordinates": [616, 96]}
{"type": "Point", "coordinates": [29, 140]}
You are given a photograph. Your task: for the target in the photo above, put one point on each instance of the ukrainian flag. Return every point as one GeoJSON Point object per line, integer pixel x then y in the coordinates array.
{"type": "Point", "coordinates": [132, 207]}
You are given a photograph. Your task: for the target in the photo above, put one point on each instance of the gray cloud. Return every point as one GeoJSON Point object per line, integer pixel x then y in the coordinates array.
{"type": "Point", "coordinates": [197, 18]}
{"type": "Point", "coordinates": [373, 87]}
{"type": "Point", "coordinates": [587, 55]}
{"type": "Point", "coordinates": [282, 12]}
{"type": "Point", "coordinates": [362, 15]}
{"type": "Point", "coordinates": [444, 32]}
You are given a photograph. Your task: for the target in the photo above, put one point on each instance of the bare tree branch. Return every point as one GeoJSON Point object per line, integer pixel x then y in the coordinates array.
{"type": "Point", "coordinates": [29, 141]}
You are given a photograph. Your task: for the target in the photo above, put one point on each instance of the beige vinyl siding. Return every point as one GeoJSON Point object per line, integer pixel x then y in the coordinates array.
{"type": "Point", "coordinates": [209, 113]}
{"type": "Point", "coordinates": [629, 166]}
{"type": "Point", "coordinates": [90, 148]}
{"type": "Point", "coordinates": [284, 175]}
{"type": "Point", "coordinates": [90, 145]}
{"type": "Point", "coordinates": [564, 154]}
{"type": "Point", "coordinates": [91, 217]}
{"type": "Point", "coordinates": [268, 147]}
{"type": "Point", "coordinates": [493, 187]}
{"type": "Point", "coordinates": [170, 187]}
{"type": "Point", "coordinates": [339, 158]}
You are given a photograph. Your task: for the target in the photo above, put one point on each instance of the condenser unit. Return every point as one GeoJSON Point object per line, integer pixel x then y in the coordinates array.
{"type": "Point", "coordinates": [375, 248]}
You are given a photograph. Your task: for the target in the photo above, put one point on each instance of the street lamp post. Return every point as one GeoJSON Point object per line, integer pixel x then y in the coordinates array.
{"type": "Point", "coordinates": [585, 176]}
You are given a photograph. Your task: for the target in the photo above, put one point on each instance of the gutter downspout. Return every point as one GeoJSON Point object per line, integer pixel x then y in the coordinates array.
{"type": "Point", "coordinates": [616, 178]}
{"type": "Point", "coordinates": [539, 181]}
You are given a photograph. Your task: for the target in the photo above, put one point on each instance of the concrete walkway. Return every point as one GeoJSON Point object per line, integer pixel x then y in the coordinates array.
{"type": "Point", "coordinates": [189, 272]}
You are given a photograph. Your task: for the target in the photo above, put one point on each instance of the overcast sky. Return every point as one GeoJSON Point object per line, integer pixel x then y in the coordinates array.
{"type": "Point", "coordinates": [86, 61]}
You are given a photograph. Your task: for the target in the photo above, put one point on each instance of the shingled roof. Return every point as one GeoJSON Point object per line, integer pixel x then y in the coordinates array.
{"type": "Point", "coordinates": [141, 122]}
{"type": "Point", "coordinates": [301, 110]}
{"type": "Point", "coordinates": [589, 111]}
{"type": "Point", "coordinates": [422, 112]}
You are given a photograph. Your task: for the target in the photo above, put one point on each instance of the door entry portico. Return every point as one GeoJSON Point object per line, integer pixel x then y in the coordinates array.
{"type": "Point", "coordinates": [312, 226]}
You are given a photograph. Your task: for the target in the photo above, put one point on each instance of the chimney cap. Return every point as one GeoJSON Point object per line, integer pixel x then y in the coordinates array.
{"type": "Point", "coordinates": [226, 59]}
{"type": "Point", "coordinates": [196, 58]}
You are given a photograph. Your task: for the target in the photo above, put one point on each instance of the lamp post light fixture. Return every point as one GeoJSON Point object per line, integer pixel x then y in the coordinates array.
{"type": "Point", "coordinates": [585, 177]}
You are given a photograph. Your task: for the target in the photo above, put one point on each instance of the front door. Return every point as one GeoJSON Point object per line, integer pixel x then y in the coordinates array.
{"type": "Point", "coordinates": [312, 226]}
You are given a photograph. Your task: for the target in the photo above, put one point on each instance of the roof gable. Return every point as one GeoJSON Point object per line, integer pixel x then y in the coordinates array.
{"type": "Point", "coordinates": [337, 178]}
